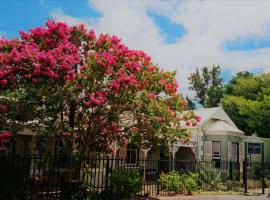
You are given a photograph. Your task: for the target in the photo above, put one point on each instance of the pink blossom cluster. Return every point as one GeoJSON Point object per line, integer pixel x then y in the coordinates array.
{"type": "Point", "coordinates": [58, 50]}
{"type": "Point", "coordinates": [194, 122]}
{"type": "Point", "coordinates": [3, 108]}
{"type": "Point", "coordinates": [151, 95]}
{"type": "Point", "coordinates": [65, 134]}
{"type": "Point", "coordinates": [4, 140]}
{"type": "Point", "coordinates": [43, 53]}
{"type": "Point", "coordinates": [170, 87]}
{"type": "Point", "coordinates": [97, 99]}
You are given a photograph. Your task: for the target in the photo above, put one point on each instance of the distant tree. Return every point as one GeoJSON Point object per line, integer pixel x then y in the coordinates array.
{"type": "Point", "coordinates": [247, 102]}
{"type": "Point", "coordinates": [190, 104]}
{"type": "Point", "coordinates": [208, 85]}
{"type": "Point", "coordinates": [242, 74]}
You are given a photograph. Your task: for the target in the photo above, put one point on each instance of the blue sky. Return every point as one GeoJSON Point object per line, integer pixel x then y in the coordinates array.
{"type": "Point", "coordinates": [179, 35]}
{"type": "Point", "coordinates": [26, 14]}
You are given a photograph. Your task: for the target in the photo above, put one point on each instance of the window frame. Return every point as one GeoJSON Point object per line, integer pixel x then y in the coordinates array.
{"type": "Point", "coordinates": [235, 151]}
{"type": "Point", "coordinates": [213, 156]}
{"type": "Point", "coordinates": [131, 154]}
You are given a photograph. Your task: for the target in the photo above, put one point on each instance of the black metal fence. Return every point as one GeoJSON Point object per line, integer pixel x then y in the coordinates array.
{"type": "Point", "coordinates": [256, 176]}
{"type": "Point", "coordinates": [59, 177]}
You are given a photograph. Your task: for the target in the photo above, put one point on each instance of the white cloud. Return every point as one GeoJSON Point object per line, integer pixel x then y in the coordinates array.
{"type": "Point", "coordinates": [58, 14]}
{"type": "Point", "coordinates": [208, 23]}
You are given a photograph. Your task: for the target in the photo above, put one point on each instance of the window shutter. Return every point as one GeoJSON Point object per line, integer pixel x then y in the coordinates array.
{"type": "Point", "coordinates": [241, 152]}
{"type": "Point", "coordinates": [207, 150]}
{"type": "Point", "coordinates": [229, 151]}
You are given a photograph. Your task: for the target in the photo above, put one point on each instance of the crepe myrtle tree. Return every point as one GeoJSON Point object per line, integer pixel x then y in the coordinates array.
{"type": "Point", "coordinates": [87, 91]}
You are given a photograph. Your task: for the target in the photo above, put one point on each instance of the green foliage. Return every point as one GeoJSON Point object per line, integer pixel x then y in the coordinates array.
{"type": "Point", "coordinates": [267, 182]}
{"type": "Point", "coordinates": [234, 186]}
{"type": "Point", "coordinates": [208, 85]}
{"type": "Point", "coordinates": [247, 102]}
{"type": "Point", "coordinates": [88, 193]}
{"type": "Point", "coordinates": [210, 177]}
{"type": "Point", "coordinates": [191, 183]}
{"type": "Point", "coordinates": [179, 183]}
{"type": "Point", "coordinates": [172, 182]}
{"type": "Point", "coordinates": [125, 184]}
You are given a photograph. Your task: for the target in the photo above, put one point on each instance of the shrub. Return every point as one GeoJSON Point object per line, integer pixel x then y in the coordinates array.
{"type": "Point", "coordinates": [175, 182]}
{"type": "Point", "coordinates": [267, 182]}
{"type": "Point", "coordinates": [172, 182]}
{"type": "Point", "coordinates": [87, 192]}
{"type": "Point", "coordinates": [69, 189]}
{"type": "Point", "coordinates": [232, 185]}
{"type": "Point", "coordinates": [191, 183]}
{"type": "Point", "coordinates": [210, 177]}
{"type": "Point", "coordinates": [125, 184]}
{"type": "Point", "coordinates": [254, 183]}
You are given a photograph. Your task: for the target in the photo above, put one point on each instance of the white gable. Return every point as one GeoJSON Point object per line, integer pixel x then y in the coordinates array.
{"type": "Point", "coordinates": [220, 126]}
{"type": "Point", "coordinates": [216, 121]}
{"type": "Point", "coordinates": [216, 113]}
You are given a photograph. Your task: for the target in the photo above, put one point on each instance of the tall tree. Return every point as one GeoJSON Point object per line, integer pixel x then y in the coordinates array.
{"type": "Point", "coordinates": [87, 91]}
{"type": "Point", "coordinates": [242, 74]}
{"type": "Point", "coordinates": [247, 102]}
{"type": "Point", "coordinates": [208, 85]}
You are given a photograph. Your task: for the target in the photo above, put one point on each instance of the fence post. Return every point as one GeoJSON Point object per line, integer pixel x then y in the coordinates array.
{"type": "Point", "coordinates": [239, 170]}
{"type": "Point", "coordinates": [107, 175]}
{"type": "Point", "coordinates": [230, 168]}
{"type": "Point", "coordinates": [158, 174]}
{"type": "Point", "coordinates": [263, 184]}
{"type": "Point", "coordinates": [245, 175]}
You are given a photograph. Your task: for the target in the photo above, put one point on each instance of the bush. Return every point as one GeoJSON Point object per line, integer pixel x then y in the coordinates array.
{"type": "Point", "coordinates": [267, 182]}
{"type": "Point", "coordinates": [234, 186]}
{"type": "Point", "coordinates": [87, 192]}
{"type": "Point", "coordinates": [254, 183]}
{"type": "Point", "coordinates": [125, 184]}
{"type": "Point", "coordinates": [172, 182]}
{"type": "Point", "coordinates": [179, 183]}
{"type": "Point", "coordinates": [69, 189]}
{"type": "Point", "coordinates": [210, 177]}
{"type": "Point", "coordinates": [191, 183]}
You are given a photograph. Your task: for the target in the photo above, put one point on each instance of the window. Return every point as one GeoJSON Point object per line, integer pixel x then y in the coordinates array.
{"type": "Point", "coordinates": [131, 154]}
{"type": "Point", "coordinates": [216, 150]}
{"type": "Point", "coordinates": [235, 151]}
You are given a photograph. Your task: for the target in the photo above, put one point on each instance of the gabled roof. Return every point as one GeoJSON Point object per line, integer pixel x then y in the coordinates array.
{"type": "Point", "coordinates": [221, 126]}
{"type": "Point", "coordinates": [216, 113]}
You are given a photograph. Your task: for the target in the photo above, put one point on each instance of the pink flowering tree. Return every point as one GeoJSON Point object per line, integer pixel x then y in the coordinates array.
{"type": "Point", "coordinates": [88, 91]}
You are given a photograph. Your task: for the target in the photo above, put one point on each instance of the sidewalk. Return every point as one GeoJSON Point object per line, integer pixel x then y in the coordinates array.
{"type": "Point", "coordinates": [218, 197]}
{"type": "Point", "coordinates": [250, 196]}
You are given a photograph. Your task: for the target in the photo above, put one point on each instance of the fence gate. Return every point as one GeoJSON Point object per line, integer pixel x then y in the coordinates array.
{"type": "Point", "coordinates": [254, 176]}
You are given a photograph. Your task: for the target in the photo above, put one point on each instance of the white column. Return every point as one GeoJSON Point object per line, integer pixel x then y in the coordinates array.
{"type": "Point", "coordinates": [196, 152]}
{"type": "Point", "coordinates": [145, 152]}
{"type": "Point", "coordinates": [173, 149]}
{"type": "Point", "coordinates": [115, 147]}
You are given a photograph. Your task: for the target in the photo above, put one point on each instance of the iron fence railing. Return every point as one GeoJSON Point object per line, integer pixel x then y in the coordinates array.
{"type": "Point", "coordinates": [57, 177]}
